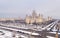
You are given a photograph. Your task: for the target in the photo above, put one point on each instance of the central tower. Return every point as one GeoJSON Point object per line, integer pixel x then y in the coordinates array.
{"type": "Point", "coordinates": [34, 14]}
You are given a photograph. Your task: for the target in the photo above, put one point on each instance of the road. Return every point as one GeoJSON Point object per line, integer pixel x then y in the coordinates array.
{"type": "Point", "coordinates": [30, 32]}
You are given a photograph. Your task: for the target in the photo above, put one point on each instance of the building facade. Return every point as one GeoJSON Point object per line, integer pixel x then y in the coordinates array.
{"type": "Point", "coordinates": [36, 18]}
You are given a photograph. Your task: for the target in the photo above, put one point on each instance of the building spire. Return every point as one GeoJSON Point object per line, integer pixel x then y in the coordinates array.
{"type": "Point", "coordinates": [34, 13]}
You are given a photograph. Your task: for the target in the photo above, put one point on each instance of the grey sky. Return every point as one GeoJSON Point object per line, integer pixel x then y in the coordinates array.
{"type": "Point", "coordinates": [19, 8]}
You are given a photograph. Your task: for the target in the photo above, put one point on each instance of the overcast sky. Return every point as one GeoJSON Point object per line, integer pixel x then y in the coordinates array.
{"type": "Point", "coordinates": [19, 8]}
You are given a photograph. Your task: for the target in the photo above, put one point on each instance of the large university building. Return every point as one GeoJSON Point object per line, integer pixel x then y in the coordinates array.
{"type": "Point", "coordinates": [36, 18]}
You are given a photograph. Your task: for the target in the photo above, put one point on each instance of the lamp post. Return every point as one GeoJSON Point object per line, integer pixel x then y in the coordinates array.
{"type": "Point", "coordinates": [56, 34]}
{"type": "Point", "coordinates": [57, 27]}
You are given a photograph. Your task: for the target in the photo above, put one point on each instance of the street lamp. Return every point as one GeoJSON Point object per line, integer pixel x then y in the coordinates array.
{"type": "Point", "coordinates": [57, 27]}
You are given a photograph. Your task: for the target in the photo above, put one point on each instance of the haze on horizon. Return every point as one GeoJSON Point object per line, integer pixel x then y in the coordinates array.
{"type": "Point", "coordinates": [19, 8]}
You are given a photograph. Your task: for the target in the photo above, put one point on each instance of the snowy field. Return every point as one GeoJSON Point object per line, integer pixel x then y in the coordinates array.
{"type": "Point", "coordinates": [50, 37]}
{"type": "Point", "coordinates": [7, 34]}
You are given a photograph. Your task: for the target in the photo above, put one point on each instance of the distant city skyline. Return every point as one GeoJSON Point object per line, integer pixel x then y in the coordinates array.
{"type": "Point", "coordinates": [19, 8]}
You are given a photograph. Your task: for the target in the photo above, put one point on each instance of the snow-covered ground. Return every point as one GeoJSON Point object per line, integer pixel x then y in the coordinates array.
{"type": "Point", "coordinates": [7, 34]}
{"type": "Point", "coordinates": [54, 32]}
{"type": "Point", "coordinates": [50, 37]}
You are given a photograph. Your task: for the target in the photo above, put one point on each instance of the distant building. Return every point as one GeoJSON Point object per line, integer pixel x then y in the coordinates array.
{"type": "Point", "coordinates": [34, 18]}
{"type": "Point", "coordinates": [49, 18]}
{"type": "Point", "coordinates": [12, 19]}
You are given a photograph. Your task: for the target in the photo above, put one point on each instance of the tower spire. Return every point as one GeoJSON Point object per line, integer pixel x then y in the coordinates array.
{"type": "Point", "coordinates": [34, 13]}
